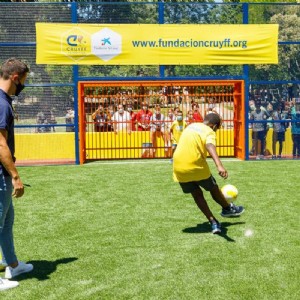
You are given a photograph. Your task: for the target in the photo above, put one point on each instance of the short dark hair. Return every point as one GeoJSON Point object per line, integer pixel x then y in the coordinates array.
{"type": "Point", "coordinates": [11, 66]}
{"type": "Point", "coordinates": [213, 119]}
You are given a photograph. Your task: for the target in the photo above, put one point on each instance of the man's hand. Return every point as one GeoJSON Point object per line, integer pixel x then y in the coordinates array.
{"type": "Point", "coordinates": [222, 172]}
{"type": "Point", "coordinates": [18, 187]}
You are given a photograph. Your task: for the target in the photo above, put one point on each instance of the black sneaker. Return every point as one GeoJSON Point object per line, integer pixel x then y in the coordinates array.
{"type": "Point", "coordinates": [232, 211]}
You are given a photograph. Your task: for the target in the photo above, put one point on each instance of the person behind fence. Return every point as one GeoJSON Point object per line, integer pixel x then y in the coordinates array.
{"type": "Point", "coordinates": [100, 119]}
{"type": "Point", "coordinates": [50, 117]}
{"type": "Point", "coordinates": [191, 169]}
{"type": "Point", "coordinates": [121, 120]}
{"type": "Point", "coordinates": [143, 118]}
{"type": "Point", "coordinates": [259, 130]}
{"type": "Point", "coordinates": [70, 119]}
{"type": "Point", "coordinates": [170, 118]}
{"type": "Point", "coordinates": [133, 115]}
{"type": "Point", "coordinates": [189, 119]}
{"type": "Point", "coordinates": [176, 93]}
{"type": "Point", "coordinates": [270, 110]}
{"type": "Point", "coordinates": [40, 120]}
{"type": "Point", "coordinates": [13, 73]}
{"type": "Point", "coordinates": [110, 112]}
{"type": "Point", "coordinates": [44, 117]}
{"type": "Point", "coordinates": [213, 106]}
{"type": "Point", "coordinates": [186, 98]}
{"type": "Point", "coordinates": [197, 113]}
{"type": "Point", "coordinates": [295, 117]}
{"type": "Point", "coordinates": [157, 128]}
{"type": "Point", "coordinates": [176, 130]}
{"type": "Point", "coordinates": [279, 129]}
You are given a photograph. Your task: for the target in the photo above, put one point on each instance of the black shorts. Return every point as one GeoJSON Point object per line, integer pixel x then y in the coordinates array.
{"type": "Point", "coordinates": [189, 187]}
{"type": "Point", "coordinates": [259, 135]}
{"type": "Point", "coordinates": [279, 136]}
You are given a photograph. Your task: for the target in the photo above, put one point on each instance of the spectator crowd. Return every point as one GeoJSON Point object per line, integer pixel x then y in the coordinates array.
{"type": "Point", "coordinates": [162, 122]}
{"type": "Point", "coordinates": [277, 115]}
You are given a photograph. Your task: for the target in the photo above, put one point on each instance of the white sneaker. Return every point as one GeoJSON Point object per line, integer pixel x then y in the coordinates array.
{"type": "Point", "coordinates": [6, 284]}
{"type": "Point", "coordinates": [20, 269]}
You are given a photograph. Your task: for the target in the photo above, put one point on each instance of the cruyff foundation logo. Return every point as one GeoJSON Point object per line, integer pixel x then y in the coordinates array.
{"type": "Point", "coordinates": [74, 43]}
{"type": "Point", "coordinates": [106, 44]}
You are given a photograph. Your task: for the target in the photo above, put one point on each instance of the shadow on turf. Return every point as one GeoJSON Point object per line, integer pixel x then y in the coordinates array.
{"type": "Point", "coordinates": [205, 227]}
{"type": "Point", "coordinates": [43, 268]}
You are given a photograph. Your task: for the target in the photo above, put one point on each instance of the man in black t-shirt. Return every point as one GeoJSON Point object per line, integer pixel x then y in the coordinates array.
{"type": "Point", "coordinates": [13, 73]}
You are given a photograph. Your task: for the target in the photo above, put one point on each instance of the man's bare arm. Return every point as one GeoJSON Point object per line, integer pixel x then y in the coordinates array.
{"type": "Point", "coordinates": [8, 163]}
{"type": "Point", "coordinates": [211, 148]}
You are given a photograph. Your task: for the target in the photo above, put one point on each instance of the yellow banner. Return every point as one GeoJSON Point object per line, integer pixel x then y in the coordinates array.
{"type": "Point", "coordinates": [153, 44]}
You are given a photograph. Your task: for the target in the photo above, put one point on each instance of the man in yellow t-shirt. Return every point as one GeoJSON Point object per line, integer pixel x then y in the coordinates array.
{"type": "Point", "coordinates": [191, 170]}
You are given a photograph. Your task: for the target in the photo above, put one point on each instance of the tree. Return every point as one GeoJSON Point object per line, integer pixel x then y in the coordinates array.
{"type": "Point", "coordinates": [289, 55]}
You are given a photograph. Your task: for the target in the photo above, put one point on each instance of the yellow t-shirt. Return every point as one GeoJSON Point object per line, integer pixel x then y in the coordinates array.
{"type": "Point", "coordinates": [189, 160]}
{"type": "Point", "coordinates": [177, 128]}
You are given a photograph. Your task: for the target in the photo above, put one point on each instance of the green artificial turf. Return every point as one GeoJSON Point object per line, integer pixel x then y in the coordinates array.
{"type": "Point", "coordinates": [125, 230]}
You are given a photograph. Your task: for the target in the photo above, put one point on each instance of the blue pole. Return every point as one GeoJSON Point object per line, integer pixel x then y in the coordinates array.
{"type": "Point", "coordinates": [246, 80]}
{"type": "Point", "coordinates": [161, 7]}
{"type": "Point", "coordinates": [75, 81]}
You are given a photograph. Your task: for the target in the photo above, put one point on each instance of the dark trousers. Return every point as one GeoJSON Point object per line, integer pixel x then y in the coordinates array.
{"type": "Point", "coordinates": [296, 144]}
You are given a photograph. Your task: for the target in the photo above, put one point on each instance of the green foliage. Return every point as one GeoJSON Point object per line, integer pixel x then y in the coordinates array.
{"type": "Point", "coordinates": [125, 230]}
{"type": "Point", "coordinates": [206, 70]}
{"type": "Point", "coordinates": [288, 19]}
{"type": "Point", "coordinates": [265, 1]}
{"type": "Point", "coordinates": [145, 14]}
{"type": "Point", "coordinates": [118, 71]}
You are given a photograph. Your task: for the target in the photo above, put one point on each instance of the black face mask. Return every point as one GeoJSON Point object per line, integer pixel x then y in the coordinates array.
{"type": "Point", "coordinates": [19, 88]}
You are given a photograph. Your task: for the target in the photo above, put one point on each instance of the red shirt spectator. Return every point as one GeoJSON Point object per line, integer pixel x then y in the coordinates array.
{"type": "Point", "coordinates": [133, 116]}
{"type": "Point", "coordinates": [196, 113]}
{"type": "Point", "coordinates": [190, 117]}
{"type": "Point", "coordinates": [143, 118]}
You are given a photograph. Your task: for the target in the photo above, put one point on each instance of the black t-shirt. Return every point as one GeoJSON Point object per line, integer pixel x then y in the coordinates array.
{"type": "Point", "coordinates": [7, 123]}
